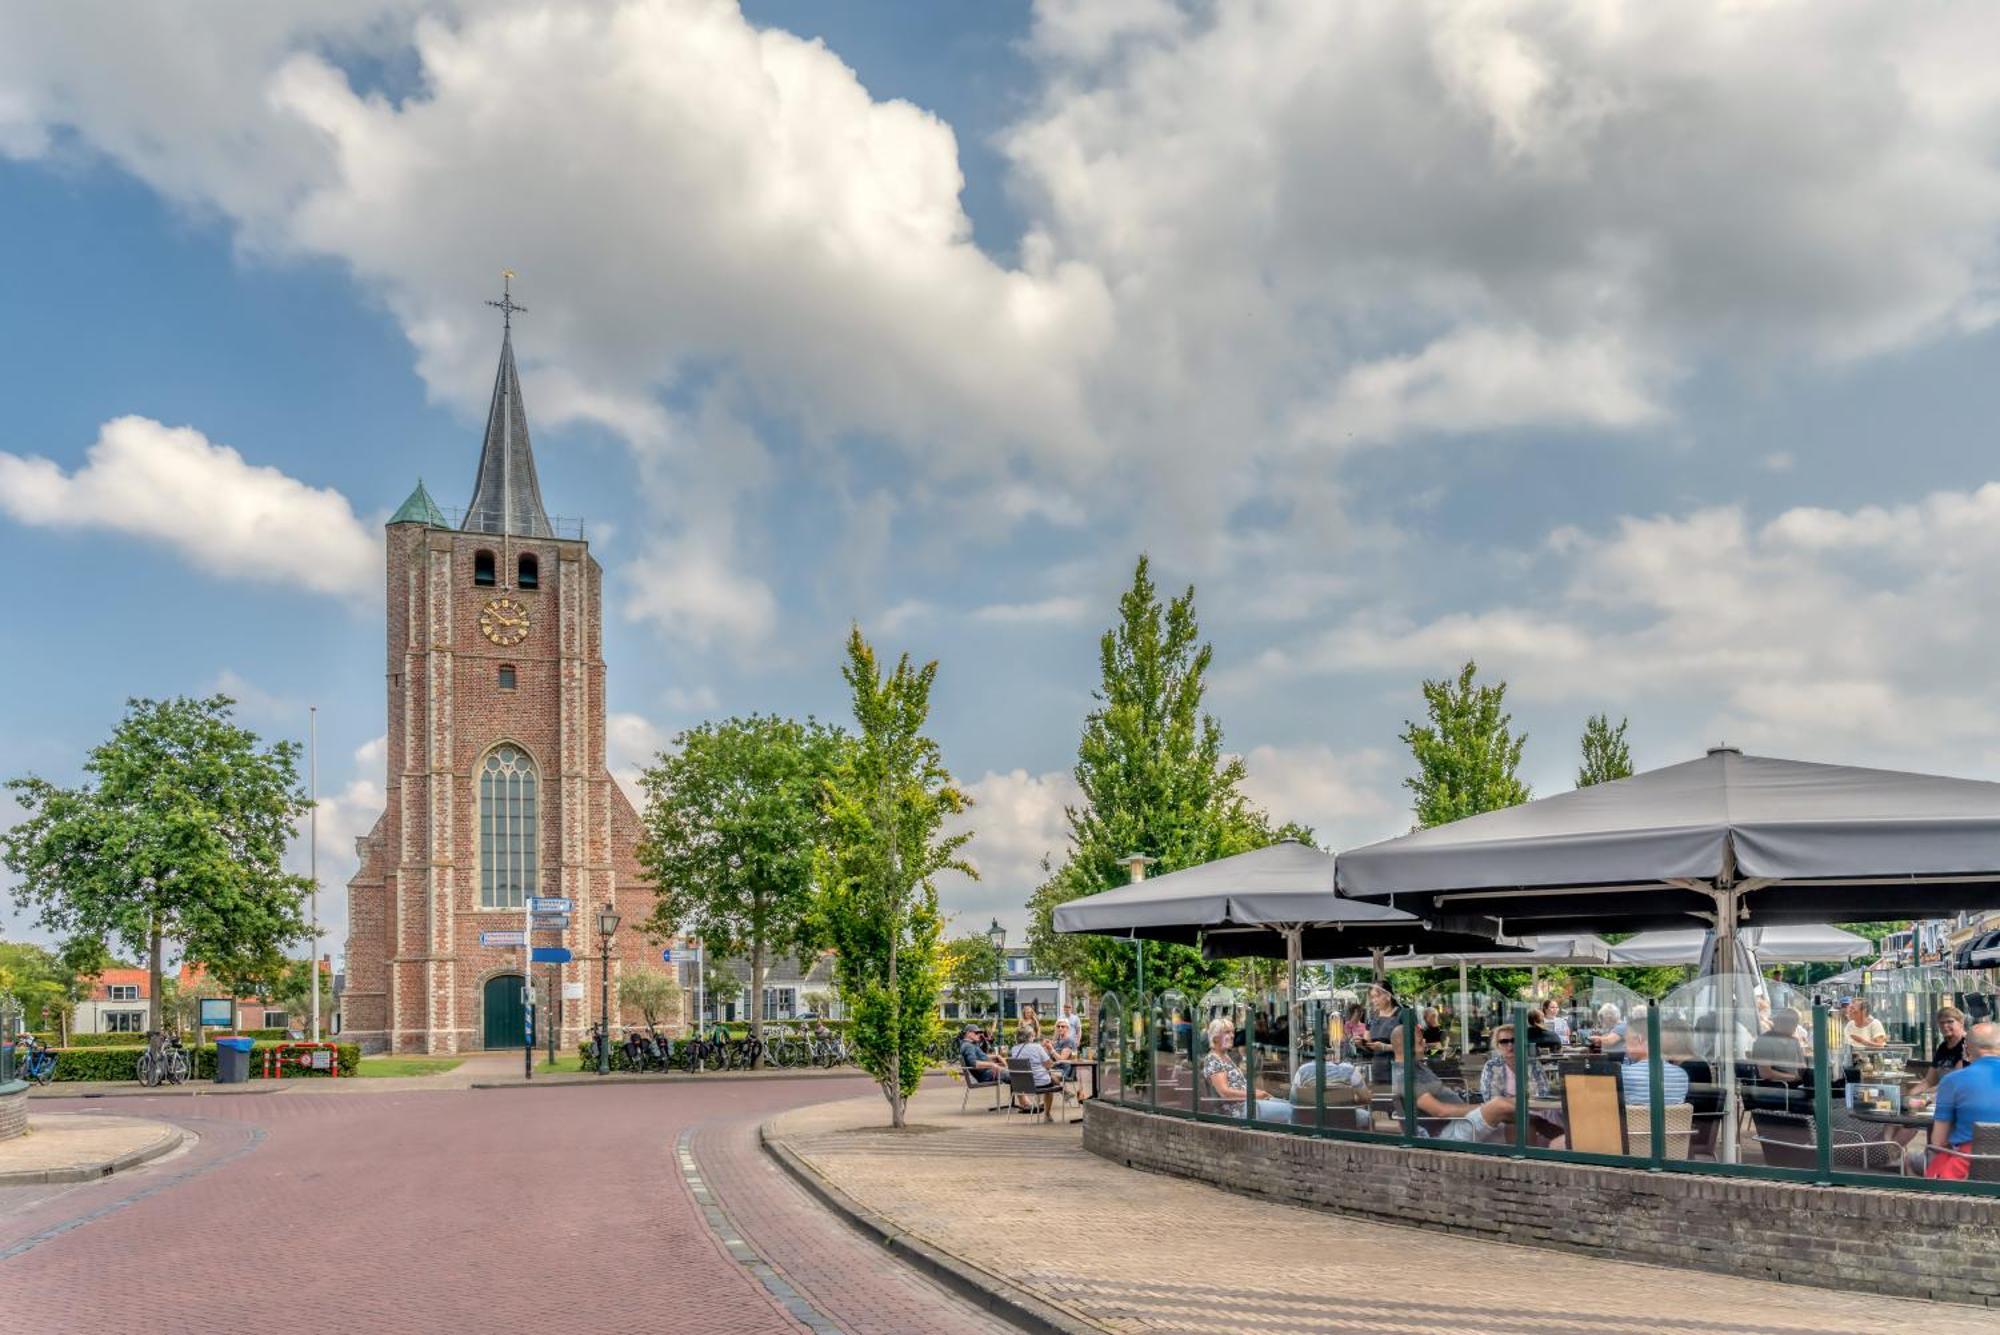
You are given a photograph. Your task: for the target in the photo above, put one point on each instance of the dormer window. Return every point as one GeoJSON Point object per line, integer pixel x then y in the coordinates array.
{"type": "Point", "coordinates": [529, 572]}
{"type": "Point", "coordinates": [482, 570]}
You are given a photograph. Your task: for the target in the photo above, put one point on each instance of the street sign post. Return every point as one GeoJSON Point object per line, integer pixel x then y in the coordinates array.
{"type": "Point", "coordinates": [552, 955]}
{"type": "Point", "coordinates": [551, 922]}
{"type": "Point", "coordinates": [550, 904]}
{"type": "Point", "coordinates": [503, 939]}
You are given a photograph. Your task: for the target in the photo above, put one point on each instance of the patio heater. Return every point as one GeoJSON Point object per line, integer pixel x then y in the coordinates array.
{"type": "Point", "coordinates": [997, 936]}
{"type": "Point", "coordinates": [607, 923]}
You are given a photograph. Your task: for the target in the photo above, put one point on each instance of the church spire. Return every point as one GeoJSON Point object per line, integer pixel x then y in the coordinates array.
{"type": "Point", "coordinates": [505, 497]}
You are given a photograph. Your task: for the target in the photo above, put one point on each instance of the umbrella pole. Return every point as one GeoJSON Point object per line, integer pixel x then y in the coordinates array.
{"type": "Point", "coordinates": [1381, 970]}
{"type": "Point", "coordinates": [1292, 949]}
{"type": "Point", "coordinates": [1464, 1013]}
{"type": "Point", "coordinates": [1725, 970]}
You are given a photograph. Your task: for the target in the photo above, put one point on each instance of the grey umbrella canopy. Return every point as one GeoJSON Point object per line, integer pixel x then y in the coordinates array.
{"type": "Point", "coordinates": [1774, 945]}
{"type": "Point", "coordinates": [1761, 840]}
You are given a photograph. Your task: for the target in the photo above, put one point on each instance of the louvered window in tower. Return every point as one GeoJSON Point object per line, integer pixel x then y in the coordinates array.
{"type": "Point", "coordinates": [482, 570]}
{"type": "Point", "coordinates": [508, 868]}
{"type": "Point", "coordinates": [530, 572]}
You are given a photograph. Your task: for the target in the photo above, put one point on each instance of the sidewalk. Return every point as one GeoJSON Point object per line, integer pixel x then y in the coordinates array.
{"type": "Point", "coordinates": [81, 1147]}
{"type": "Point", "coordinates": [1077, 1243]}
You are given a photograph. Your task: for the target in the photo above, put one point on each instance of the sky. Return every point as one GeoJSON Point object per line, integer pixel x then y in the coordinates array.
{"type": "Point", "coordinates": [1644, 354]}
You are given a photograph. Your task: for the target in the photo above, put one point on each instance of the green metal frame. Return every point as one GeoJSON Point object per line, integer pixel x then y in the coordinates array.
{"type": "Point", "coordinates": [1656, 1161]}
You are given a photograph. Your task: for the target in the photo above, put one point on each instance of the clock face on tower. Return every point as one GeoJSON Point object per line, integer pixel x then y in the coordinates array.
{"type": "Point", "coordinates": [504, 621]}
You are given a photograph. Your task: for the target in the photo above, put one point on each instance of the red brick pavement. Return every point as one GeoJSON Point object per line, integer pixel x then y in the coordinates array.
{"type": "Point", "coordinates": [504, 1210]}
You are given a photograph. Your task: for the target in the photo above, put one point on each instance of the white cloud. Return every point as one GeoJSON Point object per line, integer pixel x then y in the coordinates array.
{"type": "Point", "coordinates": [372, 756]}
{"type": "Point", "coordinates": [1347, 799]}
{"type": "Point", "coordinates": [1018, 818]}
{"type": "Point", "coordinates": [686, 700]}
{"type": "Point", "coordinates": [688, 591]}
{"type": "Point", "coordinates": [631, 743]}
{"type": "Point", "coordinates": [1856, 635]}
{"type": "Point", "coordinates": [1064, 609]}
{"type": "Point", "coordinates": [904, 615]}
{"type": "Point", "coordinates": [173, 486]}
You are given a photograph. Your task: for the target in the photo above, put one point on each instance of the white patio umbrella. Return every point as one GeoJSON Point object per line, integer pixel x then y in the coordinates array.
{"type": "Point", "coordinates": [1786, 943]}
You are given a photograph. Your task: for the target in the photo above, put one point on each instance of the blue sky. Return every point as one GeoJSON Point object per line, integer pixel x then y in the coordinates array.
{"type": "Point", "coordinates": [1586, 340]}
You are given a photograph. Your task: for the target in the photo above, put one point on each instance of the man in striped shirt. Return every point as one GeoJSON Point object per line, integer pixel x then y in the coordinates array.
{"type": "Point", "coordinates": [1635, 1077]}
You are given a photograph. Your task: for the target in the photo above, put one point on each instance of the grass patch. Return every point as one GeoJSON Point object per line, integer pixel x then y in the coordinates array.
{"type": "Point", "coordinates": [381, 1066]}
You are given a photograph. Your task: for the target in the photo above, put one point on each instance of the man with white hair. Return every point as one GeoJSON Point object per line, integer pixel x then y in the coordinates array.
{"type": "Point", "coordinates": [1965, 1098]}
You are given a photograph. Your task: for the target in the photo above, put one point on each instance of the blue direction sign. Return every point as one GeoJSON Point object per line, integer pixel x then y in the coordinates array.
{"type": "Point", "coordinates": [503, 938]}
{"type": "Point", "coordinates": [549, 904]}
{"type": "Point", "coordinates": [550, 955]}
{"type": "Point", "coordinates": [551, 922]}
{"type": "Point", "coordinates": [670, 955]}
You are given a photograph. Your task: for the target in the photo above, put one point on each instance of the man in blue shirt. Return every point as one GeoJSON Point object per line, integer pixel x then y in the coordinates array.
{"type": "Point", "coordinates": [1971, 1094]}
{"type": "Point", "coordinates": [1636, 1076]}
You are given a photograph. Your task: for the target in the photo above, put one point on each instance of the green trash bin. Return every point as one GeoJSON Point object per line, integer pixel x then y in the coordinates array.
{"type": "Point", "coordinates": [232, 1060]}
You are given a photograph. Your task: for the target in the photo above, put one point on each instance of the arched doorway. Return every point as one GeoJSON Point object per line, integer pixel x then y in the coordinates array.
{"type": "Point", "coordinates": [504, 1012]}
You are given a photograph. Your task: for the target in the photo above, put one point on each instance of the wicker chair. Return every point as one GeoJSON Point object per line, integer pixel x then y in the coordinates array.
{"type": "Point", "coordinates": [1788, 1141]}
{"type": "Point", "coordinates": [1639, 1129]}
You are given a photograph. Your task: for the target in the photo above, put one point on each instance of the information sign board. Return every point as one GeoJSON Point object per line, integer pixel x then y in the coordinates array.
{"type": "Point", "coordinates": [550, 955]}
{"type": "Point", "coordinates": [512, 938]}
{"type": "Point", "coordinates": [215, 1012]}
{"type": "Point", "coordinates": [549, 904]}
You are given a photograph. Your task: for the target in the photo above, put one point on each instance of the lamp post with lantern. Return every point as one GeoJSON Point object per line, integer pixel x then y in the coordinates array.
{"type": "Point", "coordinates": [607, 923]}
{"type": "Point", "coordinates": [997, 935]}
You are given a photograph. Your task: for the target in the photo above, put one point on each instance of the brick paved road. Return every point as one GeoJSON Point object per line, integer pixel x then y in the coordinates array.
{"type": "Point", "coordinates": [504, 1210]}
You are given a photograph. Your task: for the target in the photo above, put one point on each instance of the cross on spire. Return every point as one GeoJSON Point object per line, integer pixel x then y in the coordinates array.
{"type": "Point", "coordinates": [507, 305]}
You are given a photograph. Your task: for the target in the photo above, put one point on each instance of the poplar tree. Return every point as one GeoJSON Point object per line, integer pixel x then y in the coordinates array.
{"type": "Point", "coordinates": [1155, 781]}
{"type": "Point", "coordinates": [1605, 754]}
{"type": "Point", "coordinates": [175, 842]}
{"type": "Point", "coordinates": [877, 905]}
{"type": "Point", "coordinates": [1466, 753]}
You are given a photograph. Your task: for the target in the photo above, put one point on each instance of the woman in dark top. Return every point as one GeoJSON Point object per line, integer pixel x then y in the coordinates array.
{"type": "Point", "coordinates": [1949, 1054]}
{"type": "Point", "coordinates": [1381, 1024]}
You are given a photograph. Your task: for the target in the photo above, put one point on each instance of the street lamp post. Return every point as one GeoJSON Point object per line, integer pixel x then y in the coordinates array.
{"type": "Point", "coordinates": [607, 923]}
{"type": "Point", "coordinates": [1135, 866]}
{"type": "Point", "coordinates": [998, 936]}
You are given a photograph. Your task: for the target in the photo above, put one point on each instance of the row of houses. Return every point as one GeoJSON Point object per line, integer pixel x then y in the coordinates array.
{"type": "Point", "coordinates": [791, 993]}
{"type": "Point", "coordinates": [120, 1000]}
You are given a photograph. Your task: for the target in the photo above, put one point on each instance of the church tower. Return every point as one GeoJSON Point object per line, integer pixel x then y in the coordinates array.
{"type": "Point", "coordinates": [498, 790]}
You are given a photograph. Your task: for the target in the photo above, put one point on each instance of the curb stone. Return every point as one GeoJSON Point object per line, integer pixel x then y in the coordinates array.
{"type": "Point", "coordinates": [990, 1293]}
{"type": "Point", "coordinates": [91, 1172]}
{"type": "Point", "coordinates": [591, 1079]}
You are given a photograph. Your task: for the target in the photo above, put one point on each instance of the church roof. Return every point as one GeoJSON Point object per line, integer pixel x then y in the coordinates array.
{"type": "Point", "coordinates": [420, 509]}
{"type": "Point", "coordinates": [506, 498]}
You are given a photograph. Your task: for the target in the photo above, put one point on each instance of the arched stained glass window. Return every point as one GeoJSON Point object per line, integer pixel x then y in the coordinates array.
{"type": "Point", "coordinates": [508, 871]}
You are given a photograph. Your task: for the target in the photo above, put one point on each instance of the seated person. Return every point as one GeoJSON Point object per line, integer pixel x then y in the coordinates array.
{"type": "Point", "coordinates": [1063, 1045]}
{"type": "Point", "coordinates": [1677, 1046]}
{"type": "Point", "coordinates": [1469, 1121]}
{"type": "Point", "coordinates": [1635, 1077]}
{"type": "Point", "coordinates": [1430, 1031]}
{"type": "Point", "coordinates": [1225, 1082]}
{"type": "Point", "coordinates": [980, 1067]}
{"type": "Point", "coordinates": [1555, 1022]}
{"type": "Point", "coordinates": [1863, 1032]}
{"type": "Point", "coordinates": [1610, 1030]}
{"type": "Point", "coordinates": [1343, 1079]}
{"type": "Point", "coordinates": [1496, 1078]}
{"type": "Point", "coordinates": [1778, 1057]}
{"type": "Point", "coordinates": [1042, 1063]}
{"type": "Point", "coordinates": [1949, 1055]}
{"type": "Point", "coordinates": [1965, 1098]}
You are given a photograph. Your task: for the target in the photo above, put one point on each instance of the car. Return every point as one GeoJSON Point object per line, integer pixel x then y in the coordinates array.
{"type": "Point", "coordinates": [1984, 952]}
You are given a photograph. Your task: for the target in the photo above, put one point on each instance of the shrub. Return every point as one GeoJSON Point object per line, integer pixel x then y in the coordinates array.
{"type": "Point", "coordinates": [122, 1063]}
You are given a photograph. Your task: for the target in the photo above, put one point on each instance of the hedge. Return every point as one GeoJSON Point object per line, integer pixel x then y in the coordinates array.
{"type": "Point", "coordinates": [129, 1040]}
{"type": "Point", "coordinates": [122, 1063]}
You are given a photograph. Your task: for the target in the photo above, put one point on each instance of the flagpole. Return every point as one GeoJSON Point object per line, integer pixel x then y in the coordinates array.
{"type": "Point", "coordinates": [312, 837]}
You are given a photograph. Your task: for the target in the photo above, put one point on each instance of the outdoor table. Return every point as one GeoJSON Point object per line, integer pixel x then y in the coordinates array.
{"type": "Point", "coordinates": [1086, 1064]}
{"type": "Point", "coordinates": [1915, 1119]}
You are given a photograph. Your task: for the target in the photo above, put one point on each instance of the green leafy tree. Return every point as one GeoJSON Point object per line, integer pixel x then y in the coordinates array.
{"type": "Point", "coordinates": [1605, 754]}
{"type": "Point", "coordinates": [654, 993]}
{"type": "Point", "coordinates": [968, 966]}
{"type": "Point", "coordinates": [1155, 781]}
{"type": "Point", "coordinates": [733, 817]}
{"type": "Point", "coordinates": [46, 988]}
{"type": "Point", "coordinates": [293, 990]}
{"type": "Point", "coordinates": [177, 842]}
{"type": "Point", "coordinates": [1466, 754]}
{"type": "Point", "coordinates": [877, 906]}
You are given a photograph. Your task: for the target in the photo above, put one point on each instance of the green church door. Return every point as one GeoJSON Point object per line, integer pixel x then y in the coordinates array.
{"type": "Point", "coordinates": [506, 1014]}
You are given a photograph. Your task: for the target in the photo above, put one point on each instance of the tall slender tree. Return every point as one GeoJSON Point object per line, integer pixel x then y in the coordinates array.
{"type": "Point", "coordinates": [1466, 753]}
{"type": "Point", "coordinates": [177, 842]}
{"type": "Point", "coordinates": [1605, 754]}
{"type": "Point", "coordinates": [1155, 781]}
{"type": "Point", "coordinates": [734, 815]}
{"type": "Point", "coordinates": [877, 904]}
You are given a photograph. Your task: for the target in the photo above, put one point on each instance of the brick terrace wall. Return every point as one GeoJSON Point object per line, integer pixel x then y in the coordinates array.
{"type": "Point", "coordinates": [1905, 1243]}
{"type": "Point", "coordinates": [14, 1113]}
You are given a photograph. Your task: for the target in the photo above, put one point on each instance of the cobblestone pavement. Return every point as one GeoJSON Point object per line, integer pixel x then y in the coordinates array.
{"type": "Point", "coordinates": [502, 1210]}
{"type": "Point", "coordinates": [59, 1141]}
{"type": "Point", "coordinates": [1141, 1252]}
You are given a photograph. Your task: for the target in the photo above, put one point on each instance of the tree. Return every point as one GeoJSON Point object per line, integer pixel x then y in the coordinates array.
{"type": "Point", "coordinates": [1156, 781]}
{"type": "Point", "coordinates": [732, 820]}
{"type": "Point", "coordinates": [1605, 754]}
{"type": "Point", "coordinates": [654, 993]}
{"type": "Point", "coordinates": [41, 983]}
{"type": "Point", "coordinates": [294, 990]}
{"type": "Point", "coordinates": [1466, 755]}
{"type": "Point", "coordinates": [968, 967]}
{"type": "Point", "coordinates": [877, 906]}
{"type": "Point", "coordinates": [178, 842]}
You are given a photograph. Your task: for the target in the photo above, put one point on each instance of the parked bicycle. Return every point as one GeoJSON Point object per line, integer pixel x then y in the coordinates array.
{"type": "Point", "coordinates": [164, 1060]}
{"type": "Point", "coordinates": [33, 1060]}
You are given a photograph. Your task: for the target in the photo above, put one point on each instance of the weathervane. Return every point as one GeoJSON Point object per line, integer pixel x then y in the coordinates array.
{"type": "Point", "coordinates": [507, 305]}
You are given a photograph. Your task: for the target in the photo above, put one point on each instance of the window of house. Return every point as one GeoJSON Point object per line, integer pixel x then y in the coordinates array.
{"type": "Point", "coordinates": [124, 1022]}
{"type": "Point", "coordinates": [277, 1019]}
{"type": "Point", "coordinates": [780, 1003]}
{"type": "Point", "coordinates": [528, 574]}
{"type": "Point", "coordinates": [508, 870]}
{"type": "Point", "coordinates": [123, 991]}
{"type": "Point", "coordinates": [506, 676]}
{"type": "Point", "coordinates": [483, 570]}
{"type": "Point", "coordinates": [1017, 964]}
